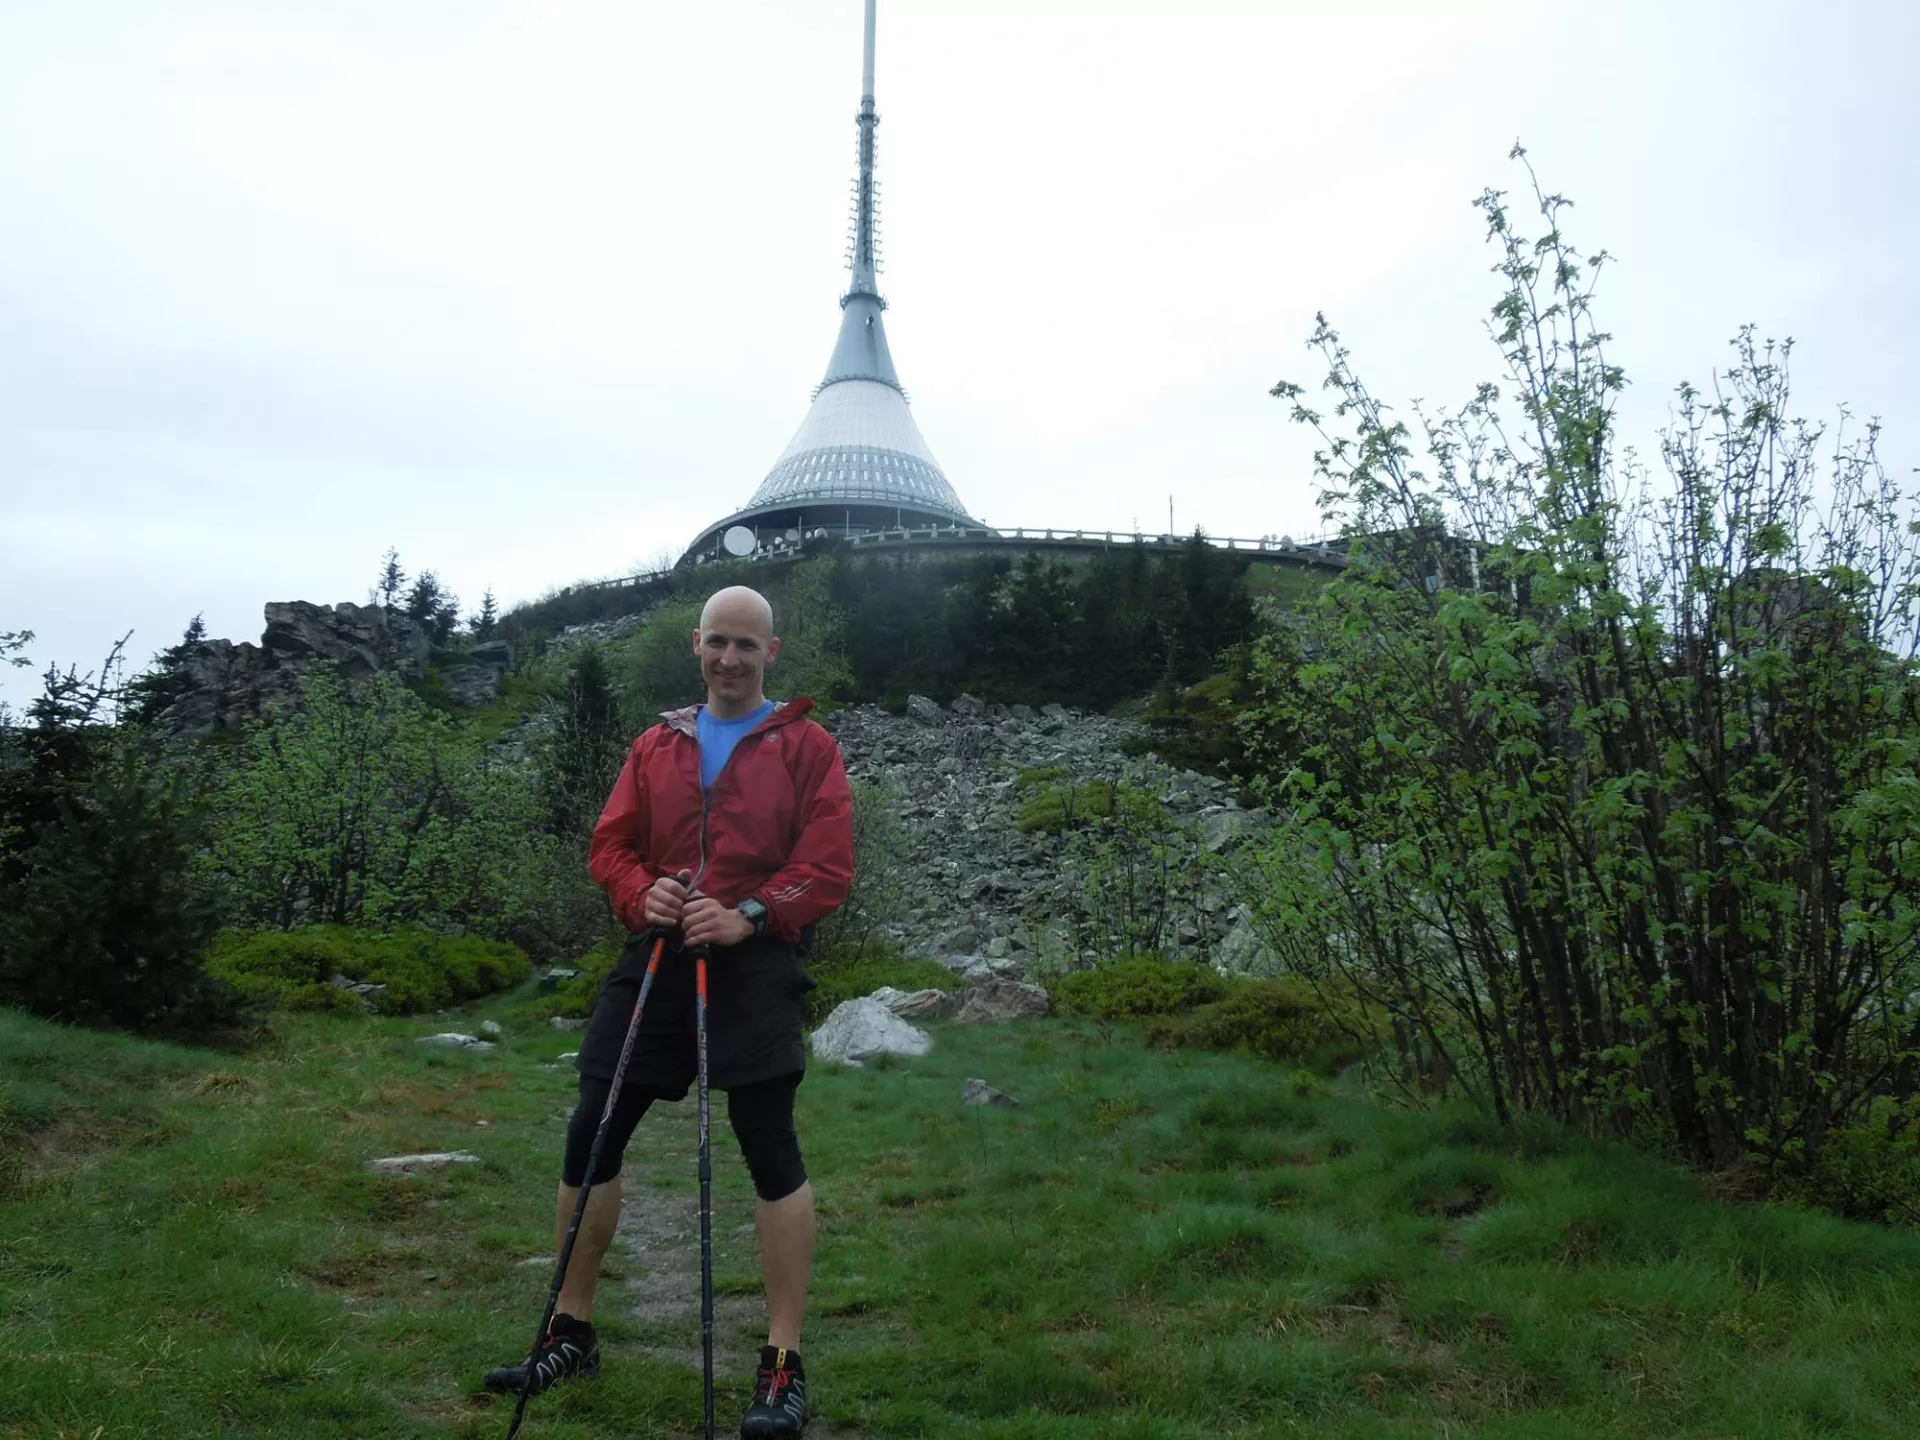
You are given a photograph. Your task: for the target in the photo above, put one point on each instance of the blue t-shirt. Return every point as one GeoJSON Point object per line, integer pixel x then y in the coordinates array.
{"type": "Point", "coordinates": [718, 737]}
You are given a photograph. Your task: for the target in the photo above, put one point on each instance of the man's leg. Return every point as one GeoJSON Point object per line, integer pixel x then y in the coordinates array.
{"type": "Point", "coordinates": [570, 1347]}
{"type": "Point", "coordinates": [762, 1118]}
{"type": "Point", "coordinates": [785, 1227]}
{"type": "Point", "coordinates": [589, 1247]}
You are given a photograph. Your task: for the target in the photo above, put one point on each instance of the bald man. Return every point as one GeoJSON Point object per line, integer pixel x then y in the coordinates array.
{"type": "Point", "coordinates": [751, 797]}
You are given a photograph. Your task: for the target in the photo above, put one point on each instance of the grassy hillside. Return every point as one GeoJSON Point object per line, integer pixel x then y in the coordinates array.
{"type": "Point", "coordinates": [1154, 1245]}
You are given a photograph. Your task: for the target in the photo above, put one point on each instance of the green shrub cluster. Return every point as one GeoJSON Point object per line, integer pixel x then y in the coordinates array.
{"type": "Point", "coordinates": [574, 999]}
{"type": "Point", "coordinates": [847, 975]}
{"type": "Point", "coordinates": [1869, 1171]}
{"type": "Point", "coordinates": [293, 969]}
{"type": "Point", "coordinates": [1057, 808]}
{"type": "Point", "coordinates": [1281, 1020]}
{"type": "Point", "coordinates": [1138, 987]}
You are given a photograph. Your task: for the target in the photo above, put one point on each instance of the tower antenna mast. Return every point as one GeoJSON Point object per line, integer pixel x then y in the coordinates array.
{"type": "Point", "coordinates": [866, 264]}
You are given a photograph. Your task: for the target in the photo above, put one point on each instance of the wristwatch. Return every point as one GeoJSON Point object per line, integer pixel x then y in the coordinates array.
{"type": "Point", "coordinates": [755, 911]}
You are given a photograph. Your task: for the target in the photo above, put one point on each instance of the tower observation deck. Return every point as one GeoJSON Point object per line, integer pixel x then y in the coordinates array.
{"type": "Point", "coordinates": [858, 462]}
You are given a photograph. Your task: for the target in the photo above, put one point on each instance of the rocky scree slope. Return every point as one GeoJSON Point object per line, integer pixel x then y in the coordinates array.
{"type": "Point", "coordinates": [977, 886]}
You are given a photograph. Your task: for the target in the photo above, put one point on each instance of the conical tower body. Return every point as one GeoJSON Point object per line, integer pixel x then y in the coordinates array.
{"type": "Point", "coordinates": [858, 461]}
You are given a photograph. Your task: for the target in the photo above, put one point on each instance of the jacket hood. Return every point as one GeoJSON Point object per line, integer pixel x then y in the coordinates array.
{"type": "Point", "coordinates": [686, 720]}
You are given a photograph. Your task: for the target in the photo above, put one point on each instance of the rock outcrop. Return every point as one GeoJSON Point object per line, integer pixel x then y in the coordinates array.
{"type": "Point", "coordinates": [224, 684]}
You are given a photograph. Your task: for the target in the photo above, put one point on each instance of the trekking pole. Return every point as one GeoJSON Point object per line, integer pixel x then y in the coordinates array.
{"type": "Point", "coordinates": [586, 1181]}
{"type": "Point", "coordinates": [706, 1187]}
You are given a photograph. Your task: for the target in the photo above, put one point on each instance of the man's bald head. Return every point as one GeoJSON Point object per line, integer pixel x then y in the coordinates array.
{"type": "Point", "coordinates": [738, 607]}
{"type": "Point", "coordinates": [734, 644]}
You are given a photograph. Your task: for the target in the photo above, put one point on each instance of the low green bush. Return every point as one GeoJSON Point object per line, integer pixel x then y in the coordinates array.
{"type": "Point", "coordinates": [1869, 1171]}
{"type": "Point", "coordinates": [293, 969]}
{"type": "Point", "coordinates": [841, 976]}
{"type": "Point", "coordinates": [1138, 987]}
{"type": "Point", "coordinates": [1057, 808]}
{"type": "Point", "coordinates": [574, 999]}
{"type": "Point", "coordinates": [1281, 1020]}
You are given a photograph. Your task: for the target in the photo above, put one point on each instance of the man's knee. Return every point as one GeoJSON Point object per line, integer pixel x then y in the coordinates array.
{"type": "Point", "coordinates": [762, 1117]}
{"type": "Point", "coordinates": [584, 1123]}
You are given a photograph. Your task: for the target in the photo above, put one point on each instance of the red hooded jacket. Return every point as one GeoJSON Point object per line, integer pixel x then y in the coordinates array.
{"type": "Point", "coordinates": [777, 825]}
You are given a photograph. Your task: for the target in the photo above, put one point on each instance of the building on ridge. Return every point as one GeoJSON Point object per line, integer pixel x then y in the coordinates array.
{"type": "Point", "coordinates": [858, 463]}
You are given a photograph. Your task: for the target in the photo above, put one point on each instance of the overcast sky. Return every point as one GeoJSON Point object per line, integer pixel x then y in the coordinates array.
{"type": "Point", "coordinates": [533, 291]}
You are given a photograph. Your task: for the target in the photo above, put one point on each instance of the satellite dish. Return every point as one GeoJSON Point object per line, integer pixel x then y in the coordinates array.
{"type": "Point", "coordinates": [793, 537]}
{"type": "Point", "coordinates": [739, 541]}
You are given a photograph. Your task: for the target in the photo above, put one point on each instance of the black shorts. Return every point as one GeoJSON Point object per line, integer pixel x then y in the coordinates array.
{"type": "Point", "coordinates": [761, 1116]}
{"type": "Point", "coordinates": [756, 1013]}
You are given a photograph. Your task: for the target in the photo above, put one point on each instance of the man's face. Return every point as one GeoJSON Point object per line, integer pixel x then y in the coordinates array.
{"type": "Point", "coordinates": [734, 650]}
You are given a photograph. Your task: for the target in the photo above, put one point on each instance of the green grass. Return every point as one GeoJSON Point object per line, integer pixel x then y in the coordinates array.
{"type": "Point", "coordinates": [1159, 1245]}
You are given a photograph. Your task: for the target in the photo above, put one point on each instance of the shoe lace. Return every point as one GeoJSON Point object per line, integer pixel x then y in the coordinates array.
{"type": "Point", "coordinates": [773, 1386]}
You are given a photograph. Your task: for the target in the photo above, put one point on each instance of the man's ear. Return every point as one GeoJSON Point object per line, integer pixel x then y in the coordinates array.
{"type": "Point", "coordinates": [773, 649]}
{"type": "Point", "coordinates": [696, 644]}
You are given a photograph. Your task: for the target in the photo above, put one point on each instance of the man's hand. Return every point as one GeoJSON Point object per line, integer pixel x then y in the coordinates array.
{"type": "Point", "coordinates": [705, 921]}
{"type": "Point", "coordinates": [666, 902]}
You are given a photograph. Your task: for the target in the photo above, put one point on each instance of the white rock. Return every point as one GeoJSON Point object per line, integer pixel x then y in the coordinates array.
{"type": "Point", "coordinates": [857, 1030]}
{"type": "Point", "coordinates": [565, 1024]}
{"type": "Point", "coordinates": [411, 1164]}
{"type": "Point", "coordinates": [453, 1040]}
{"type": "Point", "coordinates": [491, 1028]}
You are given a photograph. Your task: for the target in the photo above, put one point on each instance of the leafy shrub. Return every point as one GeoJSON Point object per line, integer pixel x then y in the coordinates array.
{"type": "Point", "coordinates": [293, 969]}
{"type": "Point", "coordinates": [1057, 808]}
{"type": "Point", "coordinates": [575, 997]}
{"type": "Point", "coordinates": [1275, 1019]}
{"type": "Point", "coordinates": [1869, 1171]}
{"type": "Point", "coordinates": [841, 979]}
{"type": "Point", "coordinates": [1137, 987]}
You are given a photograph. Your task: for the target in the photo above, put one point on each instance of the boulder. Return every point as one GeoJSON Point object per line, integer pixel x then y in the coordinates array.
{"type": "Point", "coordinates": [999, 1001]}
{"type": "Point", "coordinates": [414, 1164]}
{"type": "Point", "coordinates": [1221, 829]}
{"type": "Point", "coordinates": [1241, 952]}
{"type": "Point", "coordinates": [917, 1004]}
{"type": "Point", "coordinates": [472, 685]}
{"type": "Point", "coordinates": [565, 1024]}
{"type": "Point", "coordinates": [858, 1030]}
{"type": "Point", "coordinates": [491, 1029]}
{"type": "Point", "coordinates": [497, 653]}
{"type": "Point", "coordinates": [978, 1092]}
{"type": "Point", "coordinates": [972, 707]}
{"type": "Point", "coordinates": [927, 712]}
{"type": "Point", "coordinates": [454, 1040]}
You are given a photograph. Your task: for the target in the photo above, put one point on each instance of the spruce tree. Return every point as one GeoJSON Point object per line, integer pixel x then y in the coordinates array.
{"type": "Point", "coordinates": [392, 577]}
{"type": "Point", "coordinates": [487, 621]}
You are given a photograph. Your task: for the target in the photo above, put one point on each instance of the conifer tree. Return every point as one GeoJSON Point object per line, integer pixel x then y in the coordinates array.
{"type": "Point", "coordinates": [483, 625]}
{"type": "Point", "coordinates": [392, 577]}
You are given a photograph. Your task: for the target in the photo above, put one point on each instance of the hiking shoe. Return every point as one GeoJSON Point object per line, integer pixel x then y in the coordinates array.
{"type": "Point", "coordinates": [569, 1349]}
{"type": "Point", "coordinates": [779, 1396]}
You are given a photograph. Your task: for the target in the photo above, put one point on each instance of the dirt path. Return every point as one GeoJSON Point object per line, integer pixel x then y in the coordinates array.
{"type": "Point", "coordinates": [660, 1232]}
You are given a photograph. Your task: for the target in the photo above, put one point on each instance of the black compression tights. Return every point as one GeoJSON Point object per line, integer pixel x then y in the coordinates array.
{"type": "Point", "coordinates": [761, 1116]}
